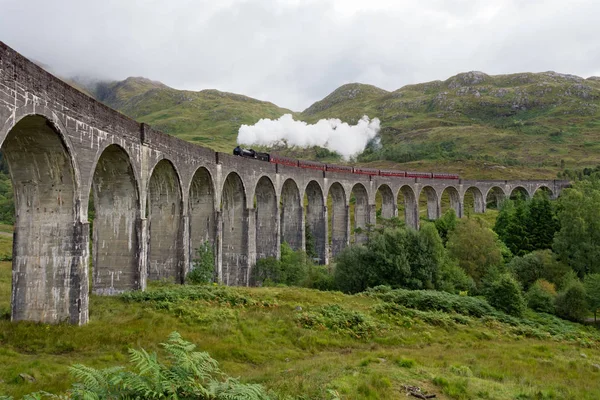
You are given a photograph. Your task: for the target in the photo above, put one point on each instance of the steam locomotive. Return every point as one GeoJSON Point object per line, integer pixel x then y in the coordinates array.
{"type": "Point", "coordinates": [292, 162]}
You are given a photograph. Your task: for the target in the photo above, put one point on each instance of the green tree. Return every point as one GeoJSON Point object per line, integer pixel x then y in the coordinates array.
{"type": "Point", "coordinates": [350, 276]}
{"type": "Point", "coordinates": [446, 224]}
{"type": "Point", "coordinates": [527, 225]}
{"type": "Point", "coordinates": [592, 289]}
{"type": "Point", "coordinates": [400, 257]}
{"type": "Point", "coordinates": [504, 218]}
{"type": "Point", "coordinates": [505, 295]}
{"type": "Point", "coordinates": [291, 269]}
{"type": "Point", "coordinates": [540, 296]}
{"type": "Point", "coordinates": [541, 223]}
{"type": "Point", "coordinates": [475, 248]}
{"type": "Point", "coordinates": [540, 264]}
{"type": "Point", "coordinates": [517, 236]}
{"type": "Point", "coordinates": [571, 303]}
{"type": "Point", "coordinates": [203, 266]}
{"type": "Point", "coordinates": [577, 243]}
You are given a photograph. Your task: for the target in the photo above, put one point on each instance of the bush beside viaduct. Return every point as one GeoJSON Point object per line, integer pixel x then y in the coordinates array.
{"type": "Point", "coordinates": [157, 198]}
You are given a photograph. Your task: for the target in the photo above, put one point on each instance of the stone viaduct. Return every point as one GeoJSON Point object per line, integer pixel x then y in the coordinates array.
{"type": "Point", "coordinates": [157, 198]}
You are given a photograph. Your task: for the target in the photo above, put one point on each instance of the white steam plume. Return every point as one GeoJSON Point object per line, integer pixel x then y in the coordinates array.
{"type": "Point", "coordinates": [333, 134]}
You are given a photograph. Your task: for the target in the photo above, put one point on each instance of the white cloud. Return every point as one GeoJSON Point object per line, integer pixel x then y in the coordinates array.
{"type": "Point", "coordinates": [295, 52]}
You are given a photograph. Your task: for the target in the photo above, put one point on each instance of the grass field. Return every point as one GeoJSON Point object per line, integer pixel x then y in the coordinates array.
{"type": "Point", "coordinates": [259, 335]}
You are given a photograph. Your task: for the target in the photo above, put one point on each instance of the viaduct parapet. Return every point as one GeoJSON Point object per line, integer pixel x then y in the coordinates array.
{"type": "Point", "coordinates": [157, 198]}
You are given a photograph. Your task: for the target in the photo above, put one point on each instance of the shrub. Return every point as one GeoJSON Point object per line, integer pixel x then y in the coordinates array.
{"type": "Point", "coordinates": [454, 279]}
{"type": "Point", "coordinates": [540, 296]}
{"type": "Point", "coordinates": [571, 303]}
{"type": "Point", "coordinates": [203, 266]}
{"type": "Point", "coordinates": [541, 264]}
{"type": "Point", "coordinates": [400, 257]}
{"type": "Point", "coordinates": [319, 277]}
{"type": "Point", "coordinates": [505, 295]}
{"type": "Point", "coordinates": [266, 272]}
{"type": "Point", "coordinates": [475, 247]}
{"type": "Point", "coordinates": [339, 320]}
{"type": "Point", "coordinates": [431, 300]}
{"type": "Point", "coordinates": [350, 274]}
{"type": "Point", "coordinates": [292, 269]}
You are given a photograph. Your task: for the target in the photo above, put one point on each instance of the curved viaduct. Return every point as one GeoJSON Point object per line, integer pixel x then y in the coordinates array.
{"type": "Point", "coordinates": [156, 198]}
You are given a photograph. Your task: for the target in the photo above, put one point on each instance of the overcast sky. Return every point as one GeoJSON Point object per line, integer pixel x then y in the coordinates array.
{"type": "Point", "coordinates": [294, 52]}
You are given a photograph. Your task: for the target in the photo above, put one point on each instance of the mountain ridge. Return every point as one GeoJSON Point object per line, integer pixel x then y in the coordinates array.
{"type": "Point", "coordinates": [479, 125]}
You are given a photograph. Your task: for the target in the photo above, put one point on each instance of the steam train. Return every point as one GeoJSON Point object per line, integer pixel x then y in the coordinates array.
{"type": "Point", "coordinates": [292, 162]}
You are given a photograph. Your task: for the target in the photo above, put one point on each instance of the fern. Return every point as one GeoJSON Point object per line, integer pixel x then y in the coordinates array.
{"type": "Point", "coordinates": [188, 374]}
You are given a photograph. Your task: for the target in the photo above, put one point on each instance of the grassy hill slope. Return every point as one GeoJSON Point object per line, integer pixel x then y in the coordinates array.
{"type": "Point", "coordinates": [210, 118]}
{"type": "Point", "coordinates": [302, 343]}
{"type": "Point", "coordinates": [505, 126]}
{"type": "Point", "coordinates": [480, 125]}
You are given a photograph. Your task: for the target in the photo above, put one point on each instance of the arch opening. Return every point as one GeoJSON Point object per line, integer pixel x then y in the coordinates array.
{"type": "Point", "coordinates": [384, 199]}
{"type": "Point", "coordinates": [338, 219]}
{"type": "Point", "coordinates": [115, 240]}
{"type": "Point", "coordinates": [292, 231]}
{"type": "Point", "coordinates": [201, 205]}
{"type": "Point", "coordinates": [428, 200]}
{"type": "Point", "coordinates": [267, 243]}
{"type": "Point", "coordinates": [359, 208]}
{"type": "Point", "coordinates": [473, 201]}
{"type": "Point", "coordinates": [165, 252]}
{"type": "Point", "coordinates": [544, 191]}
{"type": "Point", "coordinates": [408, 209]}
{"type": "Point", "coordinates": [494, 198]}
{"type": "Point", "coordinates": [316, 223]}
{"type": "Point", "coordinates": [450, 200]}
{"type": "Point", "coordinates": [50, 280]}
{"type": "Point", "coordinates": [519, 193]}
{"type": "Point", "coordinates": [234, 213]}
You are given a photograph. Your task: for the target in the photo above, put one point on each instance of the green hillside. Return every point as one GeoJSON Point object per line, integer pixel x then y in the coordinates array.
{"type": "Point", "coordinates": [479, 125]}
{"type": "Point", "coordinates": [210, 118]}
{"type": "Point", "coordinates": [504, 126]}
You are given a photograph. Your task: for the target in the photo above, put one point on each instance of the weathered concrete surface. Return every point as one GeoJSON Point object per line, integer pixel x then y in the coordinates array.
{"type": "Point", "coordinates": [267, 219]}
{"type": "Point", "coordinates": [115, 234]}
{"type": "Point", "coordinates": [292, 224]}
{"type": "Point", "coordinates": [157, 198]}
{"type": "Point", "coordinates": [362, 214]}
{"type": "Point", "coordinates": [165, 224]}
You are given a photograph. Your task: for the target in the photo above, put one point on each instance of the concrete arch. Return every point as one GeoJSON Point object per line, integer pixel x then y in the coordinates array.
{"type": "Point", "coordinates": [53, 122]}
{"type": "Point", "coordinates": [165, 211]}
{"type": "Point", "coordinates": [339, 215]}
{"type": "Point", "coordinates": [130, 159]}
{"type": "Point", "coordinates": [454, 198]}
{"type": "Point", "coordinates": [267, 219]}
{"type": "Point", "coordinates": [433, 203]}
{"type": "Point", "coordinates": [201, 209]}
{"type": "Point", "coordinates": [411, 207]}
{"type": "Point", "coordinates": [494, 196]}
{"type": "Point", "coordinates": [361, 213]}
{"type": "Point", "coordinates": [234, 211]}
{"type": "Point", "coordinates": [50, 280]}
{"type": "Point", "coordinates": [543, 188]}
{"type": "Point", "coordinates": [292, 228]}
{"type": "Point", "coordinates": [478, 199]}
{"type": "Point", "coordinates": [116, 239]}
{"type": "Point", "coordinates": [388, 205]}
{"type": "Point", "coordinates": [519, 190]}
{"type": "Point", "coordinates": [316, 221]}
